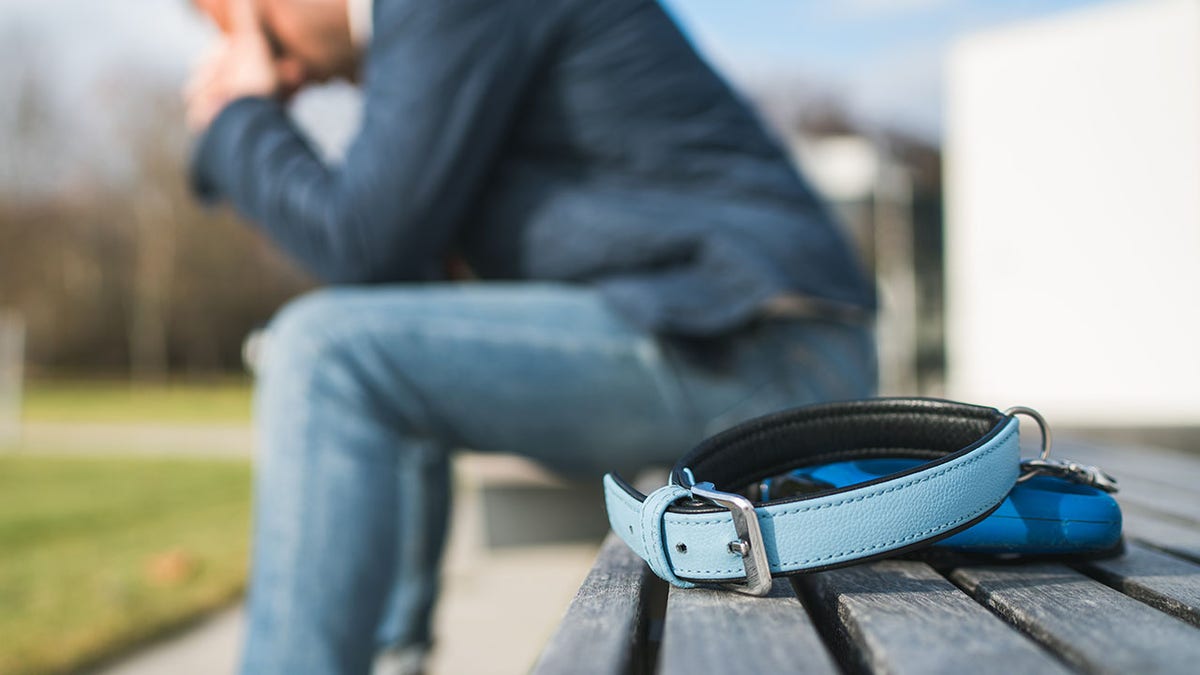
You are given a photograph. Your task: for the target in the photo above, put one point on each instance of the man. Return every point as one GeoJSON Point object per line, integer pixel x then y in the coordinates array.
{"type": "Point", "coordinates": [654, 271]}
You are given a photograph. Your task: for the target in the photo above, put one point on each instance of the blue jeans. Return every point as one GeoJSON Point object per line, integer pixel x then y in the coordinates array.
{"type": "Point", "coordinates": [364, 392]}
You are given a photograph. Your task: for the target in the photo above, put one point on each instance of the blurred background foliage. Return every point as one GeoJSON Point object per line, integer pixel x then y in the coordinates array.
{"type": "Point", "coordinates": [112, 263]}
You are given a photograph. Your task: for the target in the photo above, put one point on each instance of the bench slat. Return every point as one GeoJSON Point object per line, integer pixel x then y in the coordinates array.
{"type": "Point", "coordinates": [1087, 623]}
{"type": "Point", "coordinates": [1170, 501]}
{"type": "Point", "coordinates": [1154, 480]}
{"type": "Point", "coordinates": [1157, 579]}
{"type": "Point", "coordinates": [604, 625]}
{"type": "Point", "coordinates": [1136, 613]}
{"type": "Point", "coordinates": [902, 617]}
{"type": "Point", "coordinates": [1154, 465]}
{"type": "Point", "coordinates": [711, 631]}
{"type": "Point", "coordinates": [1165, 499]}
{"type": "Point", "coordinates": [1179, 538]}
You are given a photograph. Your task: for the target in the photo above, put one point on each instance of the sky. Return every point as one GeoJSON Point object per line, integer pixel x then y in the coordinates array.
{"type": "Point", "coordinates": [881, 58]}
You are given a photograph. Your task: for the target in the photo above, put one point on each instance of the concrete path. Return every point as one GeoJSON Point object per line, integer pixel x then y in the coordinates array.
{"type": "Point", "coordinates": [210, 648]}
{"type": "Point", "coordinates": [209, 440]}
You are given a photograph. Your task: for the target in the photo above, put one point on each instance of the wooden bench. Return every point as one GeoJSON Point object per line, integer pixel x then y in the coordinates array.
{"type": "Point", "coordinates": [1138, 613]}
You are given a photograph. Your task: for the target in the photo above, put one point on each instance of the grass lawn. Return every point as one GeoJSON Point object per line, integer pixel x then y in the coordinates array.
{"type": "Point", "coordinates": [218, 401]}
{"type": "Point", "coordinates": [99, 553]}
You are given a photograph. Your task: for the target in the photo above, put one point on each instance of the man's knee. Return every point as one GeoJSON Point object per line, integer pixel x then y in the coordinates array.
{"type": "Point", "coordinates": [310, 333]}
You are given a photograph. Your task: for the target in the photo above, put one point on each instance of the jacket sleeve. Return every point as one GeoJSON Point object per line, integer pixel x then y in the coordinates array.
{"type": "Point", "coordinates": [442, 80]}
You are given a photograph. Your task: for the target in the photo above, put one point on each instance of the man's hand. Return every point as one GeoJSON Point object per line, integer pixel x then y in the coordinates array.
{"type": "Point", "coordinates": [243, 65]}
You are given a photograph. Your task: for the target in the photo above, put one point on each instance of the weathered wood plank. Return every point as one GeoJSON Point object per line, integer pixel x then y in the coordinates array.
{"type": "Point", "coordinates": [712, 631]}
{"type": "Point", "coordinates": [1160, 498]}
{"type": "Point", "coordinates": [604, 627]}
{"type": "Point", "coordinates": [605, 630]}
{"type": "Point", "coordinates": [1157, 579]}
{"type": "Point", "coordinates": [1155, 484]}
{"type": "Point", "coordinates": [1156, 465]}
{"type": "Point", "coordinates": [1092, 626]}
{"type": "Point", "coordinates": [1180, 538]}
{"type": "Point", "coordinates": [1159, 480]}
{"type": "Point", "coordinates": [903, 617]}
{"type": "Point", "coordinates": [1165, 500]}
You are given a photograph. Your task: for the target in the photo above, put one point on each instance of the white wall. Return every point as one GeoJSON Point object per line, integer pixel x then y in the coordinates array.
{"type": "Point", "coordinates": [1073, 215]}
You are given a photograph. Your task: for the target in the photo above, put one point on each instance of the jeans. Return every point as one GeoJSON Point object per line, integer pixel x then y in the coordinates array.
{"type": "Point", "coordinates": [364, 392]}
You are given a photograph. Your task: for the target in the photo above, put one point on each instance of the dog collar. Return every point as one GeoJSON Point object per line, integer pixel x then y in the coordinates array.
{"type": "Point", "coordinates": [690, 532]}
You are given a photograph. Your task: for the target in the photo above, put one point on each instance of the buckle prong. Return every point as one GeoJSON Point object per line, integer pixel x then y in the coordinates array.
{"type": "Point", "coordinates": [749, 543]}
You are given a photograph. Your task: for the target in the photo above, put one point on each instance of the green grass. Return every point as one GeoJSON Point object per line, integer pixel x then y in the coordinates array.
{"type": "Point", "coordinates": [220, 401]}
{"type": "Point", "coordinates": [100, 553]}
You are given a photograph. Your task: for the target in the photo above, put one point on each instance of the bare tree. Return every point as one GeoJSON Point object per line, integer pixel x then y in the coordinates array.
{"type": "Point", "coordinates": [113, 264]}
{"type": "Point", "coordinates": [145, 121]}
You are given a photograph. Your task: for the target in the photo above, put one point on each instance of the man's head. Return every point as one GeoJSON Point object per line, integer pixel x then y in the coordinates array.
{"type": "Point", "coordinates": [310, 39]}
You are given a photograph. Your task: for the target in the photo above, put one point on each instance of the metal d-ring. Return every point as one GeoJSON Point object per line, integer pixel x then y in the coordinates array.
{"type": "Point", "coordinates": [1043, 425]}
{"type": "Point", "coordinates": [1061, 468]}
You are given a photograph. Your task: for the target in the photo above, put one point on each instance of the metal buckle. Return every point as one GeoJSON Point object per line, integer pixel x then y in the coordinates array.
{"type": "Point", "coordinates": [1084, 474]}
{"type": "Point", "coordinates": [749, 544]}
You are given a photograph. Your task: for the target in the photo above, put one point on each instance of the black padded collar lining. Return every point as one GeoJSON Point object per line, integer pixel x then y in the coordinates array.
{"type": "Point", "coordinates": [920, 428]}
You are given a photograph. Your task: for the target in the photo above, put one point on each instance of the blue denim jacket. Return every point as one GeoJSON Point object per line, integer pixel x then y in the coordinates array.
{"type": "Point", "coordinates": [571, 140]}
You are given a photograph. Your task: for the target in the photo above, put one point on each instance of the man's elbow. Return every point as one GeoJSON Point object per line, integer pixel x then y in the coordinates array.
{"type": "Point", "coordinates": [376, 265]}
{"type": "Point", "coordinates": [354, 247]}
{"type": "Point", "coordinates": [346, 274]}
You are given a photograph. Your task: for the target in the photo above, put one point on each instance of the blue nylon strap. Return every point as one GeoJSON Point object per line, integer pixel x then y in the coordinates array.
{"type": "Point", "coordinates": [823, 531]}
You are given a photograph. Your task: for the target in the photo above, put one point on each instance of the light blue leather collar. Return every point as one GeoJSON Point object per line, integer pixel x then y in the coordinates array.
{"type": "Point", "coordinates": [690, 532]}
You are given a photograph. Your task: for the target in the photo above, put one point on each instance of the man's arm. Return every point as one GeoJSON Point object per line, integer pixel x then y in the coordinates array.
{"type": "Point", "coordinates": [442, 80]}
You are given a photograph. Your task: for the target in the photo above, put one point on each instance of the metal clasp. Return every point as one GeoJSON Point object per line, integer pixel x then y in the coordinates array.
{"type": "Point", "coordinates": [1084, 474]}
{"type": "Point", "coordinates": [749, 544]}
